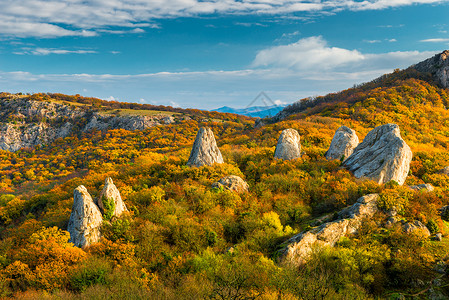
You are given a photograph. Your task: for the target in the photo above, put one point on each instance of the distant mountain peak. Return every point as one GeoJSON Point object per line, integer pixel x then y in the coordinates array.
{"type": "Point", "coordinates": [438, 66]}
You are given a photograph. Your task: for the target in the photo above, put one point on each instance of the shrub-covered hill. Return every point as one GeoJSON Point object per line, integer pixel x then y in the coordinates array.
{"type": "Point", "coordinates": [184, 239]}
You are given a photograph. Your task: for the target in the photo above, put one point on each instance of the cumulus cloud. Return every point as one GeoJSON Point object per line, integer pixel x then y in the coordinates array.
{"type": "Point", "coordinates": [305, 54]}
{"type": "Point", "coordinates": [56, 18]}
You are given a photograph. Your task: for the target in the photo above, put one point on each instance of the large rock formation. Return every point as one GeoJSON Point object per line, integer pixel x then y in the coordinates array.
{"type": "Point", "coordinates": [232, 183]}
{"type": "Point", "coordinates": [111, 193]}
{"type": "Point", "coordinates": [299, 247]}
{"type": "Point", "coordinates": [85, 220]}
{"type": "Point", "coordinates": [382, 156]}
{"type": "Point", "coordinates": [438, 66]}
{"type": "Point", "coordinates": [205, 151]}
{"type": "Point", "coordinates": [343, 143]}
{"type": "Point", "coordinates": [288, 146]}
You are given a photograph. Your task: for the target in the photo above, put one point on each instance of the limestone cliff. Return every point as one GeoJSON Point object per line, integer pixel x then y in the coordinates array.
{"type": "Point", "coordinates": [26, 123]}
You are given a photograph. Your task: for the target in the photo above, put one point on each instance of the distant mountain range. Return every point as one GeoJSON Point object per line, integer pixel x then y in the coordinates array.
{"type": "Point", "coordinates": [254, 111]}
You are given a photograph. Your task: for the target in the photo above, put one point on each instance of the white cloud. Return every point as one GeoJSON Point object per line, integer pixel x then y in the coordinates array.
{"type": "Point", "coordinates": [438, 40]}
{"type": "Point", "coordinates": [313, 55]}
{"type": "Point", "coordinates": [56, 18]}
{"type": "Point", "coordinates": [48, 51]}
{"type": "Point", "coordinates": [306, 54]}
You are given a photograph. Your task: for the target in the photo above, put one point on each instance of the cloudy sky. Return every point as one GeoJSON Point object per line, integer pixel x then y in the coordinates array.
{"type": "Point", "coordinates": [211, 53]}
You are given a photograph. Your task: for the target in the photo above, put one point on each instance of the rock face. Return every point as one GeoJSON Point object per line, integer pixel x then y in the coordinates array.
{"type": "Point", "coordinates": [26, 123]}
{"type": "Point", "coordinates": [438, 66]}
{"type": "Point", "coordinates": [343, 143]}
{"type": "Point", "coordinates": [382, 156]}
{"type": "Point", "coordinates": [232, 183]}
{"type": "Point", "coordinates": [416, 227]}
{"type": "Point", "coordinates": [425, 186]}
{"type": "Point", "coordinates": [111, 192]}
{"type": "Point", "coordinates": [300, 246]}
{"type": "Point", "coordinates": [85, 220]}
{"type": "Point", "coordinates": [288, 146]}
{"type": "Point", "coordinates": [205, 151]}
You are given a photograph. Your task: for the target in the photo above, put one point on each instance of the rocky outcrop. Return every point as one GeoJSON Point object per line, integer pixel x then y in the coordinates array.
{"type": "Point", "coordinates": [343, 144]}
{"type": "Point", "coordinates": [85, 219]}
{"type": "Point", "coordinates": [27, 123]}
{"type": "Point", "coordinates": [425, 186]}
{"type": "Point", "coordinates": [288, 146]}
{"type": "Point", "coordinates": [232, 183]}
{"type": "Point", "coordinates": [204, 151]}
{"type": "Point", "coordinates": [438, 66]}
{"type": "Point", "coordinates": [444, 171]}
{"type": "Point", "coordinates": [300, 246]}
{"type": "Point", "coordinates": [417, 228]}
{"type": "Point", "coordinates": [382, 156]}
{"type": "Point", "coordinates": [111, 193]}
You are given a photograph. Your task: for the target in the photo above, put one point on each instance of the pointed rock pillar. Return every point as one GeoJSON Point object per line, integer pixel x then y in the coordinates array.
{"type": "Point", "coordinates": [343, 144]}
{"type": "Point", "coordinates": [288, 146]}
{"type": "Point", "coordinates": [110, 191]}
{"type": "Point", "coordinates": [205, 151]}
{"type": "Point", "coordinates": [85, 219]}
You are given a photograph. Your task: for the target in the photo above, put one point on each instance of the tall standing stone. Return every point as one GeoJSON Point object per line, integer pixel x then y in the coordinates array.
{"type": "Point", "coordinates": [85, 220]}
{"type": "Point", "coordinates": [288, 146]}
{"type": "Point", "coordinates": [110, 192]}
{"type": "Point", "coordinates": [205, 151]}
{"type": "Point", "coordinates": [382, 156]}
{"type": "Point", "coordinates": [343, 143]}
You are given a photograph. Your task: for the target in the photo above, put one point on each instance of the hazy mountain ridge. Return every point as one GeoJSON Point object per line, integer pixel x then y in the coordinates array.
{"type": "Point", "coordinates": [254, 111]}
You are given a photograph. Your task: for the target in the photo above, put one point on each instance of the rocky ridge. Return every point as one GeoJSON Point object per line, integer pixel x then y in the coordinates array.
{"type": "Point", "coordinates": [438, 66]}
{"type": "Point", "coordinates": [27, 123]}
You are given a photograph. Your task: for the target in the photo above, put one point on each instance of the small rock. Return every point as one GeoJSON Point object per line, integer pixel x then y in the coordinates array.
{"type": "Point", "coordinates": [444, 171]}
{"type": "Point", "coordinates": [232, 183]}
{"type": "Point", "coordinates": [425, 186]}
{"type": "Point", "coordinates": [415, 227]}
{"type": "Point", "coordinates": [204, 151]}
{"type": "Point", "coordinates": [391, 221]}
{"type": "Point", "coordinates": [438, 237]}
{"type": "Point", "coordinates": [440, 267]}
{"type": "Point", "coordinates": [288, 146]}
{"type": "Point", "coordinates": [382, 156]}
{"type": "Point", "coordinates": [343, 143]}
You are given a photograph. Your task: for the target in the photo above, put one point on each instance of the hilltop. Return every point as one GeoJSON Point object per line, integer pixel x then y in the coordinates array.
{"type": "Point", "coordinates": [186, 235]}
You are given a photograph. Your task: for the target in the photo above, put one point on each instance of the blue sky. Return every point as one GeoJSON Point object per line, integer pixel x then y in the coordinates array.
{"type": "Point", "coordinates": [208, 54]}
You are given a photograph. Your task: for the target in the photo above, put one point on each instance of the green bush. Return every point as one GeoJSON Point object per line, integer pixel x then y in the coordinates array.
{"type": "Point", "coordinates": [92, 271]}
{"type": "Point", "coordinates": [108, 208]}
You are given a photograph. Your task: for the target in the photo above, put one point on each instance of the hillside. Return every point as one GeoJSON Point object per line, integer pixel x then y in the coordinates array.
{"type": "Point", "coordinates": [184, 239]}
